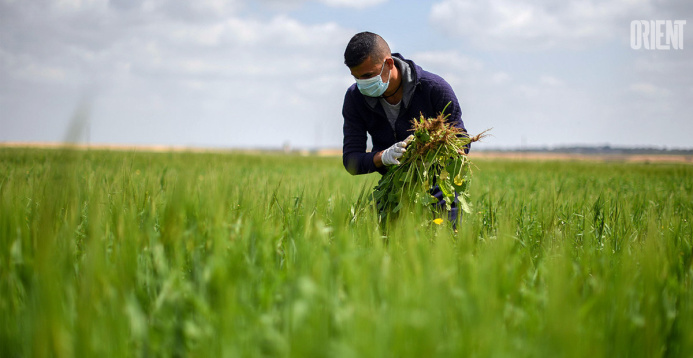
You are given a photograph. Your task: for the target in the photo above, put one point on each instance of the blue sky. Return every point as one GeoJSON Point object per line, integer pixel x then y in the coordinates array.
{"type": "Point", "coordinates": [249, 74]}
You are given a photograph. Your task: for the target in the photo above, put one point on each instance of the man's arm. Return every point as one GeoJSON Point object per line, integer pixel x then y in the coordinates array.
{"type": "Point", "coordinates": [444, 98]}
{"type": "Point", "coordinates": [388, 156]}
{"type": "Point", "coordinates": [354, 156]}
{"type": "Point", "coordinates": [378, 159]}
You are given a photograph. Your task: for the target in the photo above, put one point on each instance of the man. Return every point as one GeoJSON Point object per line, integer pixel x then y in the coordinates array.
{"type": "Point", "coordinates": [389, 92]}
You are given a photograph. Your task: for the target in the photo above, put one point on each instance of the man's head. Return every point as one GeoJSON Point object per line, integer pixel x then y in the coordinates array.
{"type": "Point", "coordinates": [368, 56]}
{"type": "Point", "coordinates": [364, 45]}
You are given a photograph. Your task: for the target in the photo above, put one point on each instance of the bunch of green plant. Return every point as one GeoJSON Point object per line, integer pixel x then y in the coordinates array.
{"type": "Point", "coordinates": [435, 156]}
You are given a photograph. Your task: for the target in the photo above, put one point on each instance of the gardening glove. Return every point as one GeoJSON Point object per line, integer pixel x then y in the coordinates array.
{"type": "Point", "coordinates": [391, 155]}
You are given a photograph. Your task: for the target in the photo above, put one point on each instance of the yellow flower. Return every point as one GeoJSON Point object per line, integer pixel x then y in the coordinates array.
{"type": "Point", "coordinates": [438, 221]}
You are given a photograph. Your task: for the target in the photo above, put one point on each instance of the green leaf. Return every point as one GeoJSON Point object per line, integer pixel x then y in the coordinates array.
{"type": "Point", "coordinates": [446, 188]}
{"type": "Point", "coordinates": [431, 199]}
{"type": "Point", "coordinates": [463, 204]}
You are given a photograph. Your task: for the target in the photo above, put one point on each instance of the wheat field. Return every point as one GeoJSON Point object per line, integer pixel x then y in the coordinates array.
{"type": "Point", "coordinates": [136, 254]}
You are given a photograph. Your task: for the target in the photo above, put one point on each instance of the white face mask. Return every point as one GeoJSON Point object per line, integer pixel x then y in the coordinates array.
{"type": "Point", "coordinates": [374, 86]}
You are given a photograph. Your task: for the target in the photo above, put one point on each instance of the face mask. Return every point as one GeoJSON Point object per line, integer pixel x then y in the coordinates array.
{"type": "Point", "coordinates": [374, 86]}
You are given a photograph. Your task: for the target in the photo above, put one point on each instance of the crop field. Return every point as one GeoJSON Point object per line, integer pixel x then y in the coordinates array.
{"type": "Point", "coordinates": [136, 254]}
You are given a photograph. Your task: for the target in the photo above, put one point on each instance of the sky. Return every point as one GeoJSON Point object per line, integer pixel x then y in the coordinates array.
{"type": "Point", "coordinates": [270, 73]}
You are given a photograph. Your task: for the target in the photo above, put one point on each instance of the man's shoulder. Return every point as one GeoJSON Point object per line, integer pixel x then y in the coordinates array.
{"type": "Point", "coordinates": [352, 95]}
{"type": "Point", "coordinates": [351, 89]}
{"type": "Point", "coordinates": [354, 101]}
{"type": "Point", "coordinates": [431, 79]}
{"type": "Point", "coordinates": [425, 77]}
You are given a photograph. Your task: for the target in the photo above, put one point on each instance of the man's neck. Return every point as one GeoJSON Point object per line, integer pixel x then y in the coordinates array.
{"type": "Point", "coordinates": [395, 94]}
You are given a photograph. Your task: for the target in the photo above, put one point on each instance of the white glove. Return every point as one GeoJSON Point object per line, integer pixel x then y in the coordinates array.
{"type": "Point", "coordinates": [391, 155]}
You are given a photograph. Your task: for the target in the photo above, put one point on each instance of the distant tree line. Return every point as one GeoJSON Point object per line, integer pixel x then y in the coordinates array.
{"type": "Point", "coordinates": [603, 149]}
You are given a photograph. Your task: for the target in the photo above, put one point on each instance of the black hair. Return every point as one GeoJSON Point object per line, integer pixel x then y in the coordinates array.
{"type": "Point", "coordinates": [362, 45]}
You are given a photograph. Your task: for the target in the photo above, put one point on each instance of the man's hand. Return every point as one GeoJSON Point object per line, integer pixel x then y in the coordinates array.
{"type": "Point", "coordinates": [390, 156]}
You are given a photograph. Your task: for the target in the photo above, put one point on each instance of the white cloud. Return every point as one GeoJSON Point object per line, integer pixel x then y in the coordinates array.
{"type": "Point", "coordinates": [227, 73]}
{"type": "Point", "coordinates": [211, 79]}
{"type": "Point", "coordinates": [550, 81]}
{"type": "Point", "coordinates": [42, 73]}
{"type": "Point", "coordinates": [197, 11]}
{"type": "Point", "coordinates": [500, 78]}
{"type": "Point", "coordinates": [449, 60]}
{"type": "Point", "coordinates": [78, 5]}
{"type": "Point", "coordinates": [200, 35]}
{"type": "Point", "coordinates": [292, 5]}
{"type": "Point", "coordinates": [532, 25]}
{"type": "Point", "coordinates": [357, 4]}
{"type": "Point", "coordinates": [648, 89]}
{"type": "Point", "coordinates": [599, 91]}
